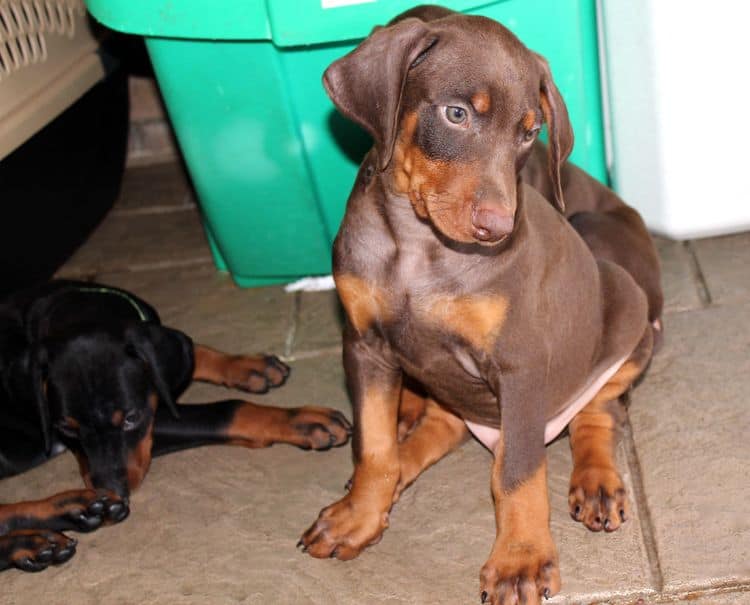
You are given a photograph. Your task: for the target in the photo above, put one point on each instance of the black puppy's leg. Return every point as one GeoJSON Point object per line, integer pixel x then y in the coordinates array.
{"type": "Point", "coordinates": [252, 373]}
{"type": "Point", "coordinates": [82, 510]}
{"type": "Point", "coordinates": [35, 549]}
{"type": "Point", "coordinates": [30, 537]}
{"type": "Point", "coordinates": [243, 423]}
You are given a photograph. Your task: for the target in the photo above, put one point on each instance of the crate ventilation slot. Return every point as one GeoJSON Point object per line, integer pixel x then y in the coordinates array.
{"type": "Point", "coordinates": [24, 25]}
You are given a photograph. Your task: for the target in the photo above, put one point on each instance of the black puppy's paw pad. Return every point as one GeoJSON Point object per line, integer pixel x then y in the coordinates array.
{"type": "Point", "coordinates": [88, 510]}
{"type": "Point", "coordinates": [34, 551]}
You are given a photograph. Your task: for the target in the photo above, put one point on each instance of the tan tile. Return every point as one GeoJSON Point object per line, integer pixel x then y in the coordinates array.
{"type": "Point", "coordinates": [133, 242]}
{"type": "Point", "coordinates": [678, 279]}
{"type": "Point", "coordinates": [690, 425]}
{"type": "Point", "coordinates": [729, 597]}
{"type": "Point", "coordinates": [725, 263]}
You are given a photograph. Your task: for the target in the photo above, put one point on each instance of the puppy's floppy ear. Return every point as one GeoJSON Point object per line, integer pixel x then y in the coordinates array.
{"type": "Point", "coordinates": [168, 355]}
{"type": "Point", "coordinates": [36, 365]}
{"type": "Point", "coordinates": [367, 84]}
{"type": "Point", "coordinates": [558, 127]}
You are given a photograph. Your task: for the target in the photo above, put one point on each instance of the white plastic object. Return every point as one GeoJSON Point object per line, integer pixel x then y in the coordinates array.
{"type": "Point", "coordinates": [677, 92]}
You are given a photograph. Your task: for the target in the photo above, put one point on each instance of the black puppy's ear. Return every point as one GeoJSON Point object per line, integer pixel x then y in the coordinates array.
{"type": "Point", "coordinates": [168, 355]}
{"type": "Point", "coordinates": [38, 369]}
{"type": "Point", "coordinates": [558, 127]}
{"type": "Point", "coordinates": [367, 84]}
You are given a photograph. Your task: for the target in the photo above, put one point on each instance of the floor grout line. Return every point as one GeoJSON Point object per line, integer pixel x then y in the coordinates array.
{"type": "Point", "coordinates": [300, 355]}
{"type": "Point", "coordinates": [291, 334]}
{"type": "Point", "coordinates": [704, 294]}
{"type": "Point", "coordinates": [648, 531]}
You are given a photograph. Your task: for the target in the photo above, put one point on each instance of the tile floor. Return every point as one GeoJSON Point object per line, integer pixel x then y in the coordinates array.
{"type": "Point", "coordinates": [219, 525]}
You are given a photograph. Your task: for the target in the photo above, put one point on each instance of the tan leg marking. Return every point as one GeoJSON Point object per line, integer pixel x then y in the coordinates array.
{"type": "Point", "coordinates": [597, 494]}
{"type": "Point", "coordinates": [523, 565]}
{"type": "Point", "coordinates": [308, 427]}
{"type": "Point", "coordinates": [411, 410]}
{"type": "Point", "coordinates": [359, 519]}
{"type": "Point", "coordinates": [253, 373]}
{"type": "Point", "coordinates": [438, 433]}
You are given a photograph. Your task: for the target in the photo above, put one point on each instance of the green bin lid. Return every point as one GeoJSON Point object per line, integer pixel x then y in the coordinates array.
{"type": "Point", "coordinates": [286, 22]}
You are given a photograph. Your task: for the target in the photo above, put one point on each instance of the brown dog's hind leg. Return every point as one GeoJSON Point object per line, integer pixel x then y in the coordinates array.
{"type": "Point", "coordinates": [437, 434]}
{"type": "Point", "coordinates": [411, 409]}
{"type": "Point", "coordinates": [252, 373]}
{"type": "Point", "coordinates": [597, 495]}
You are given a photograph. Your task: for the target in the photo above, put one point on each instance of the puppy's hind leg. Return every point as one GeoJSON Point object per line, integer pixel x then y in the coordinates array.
{"type": "Point", "coordinates": [597, 496]}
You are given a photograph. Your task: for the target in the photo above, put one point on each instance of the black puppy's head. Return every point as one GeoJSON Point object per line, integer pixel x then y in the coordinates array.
{"type": "Point", "coordinates": [98, 390]}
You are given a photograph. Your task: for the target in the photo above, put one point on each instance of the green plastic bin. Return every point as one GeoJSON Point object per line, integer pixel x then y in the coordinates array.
{"type": "Point", "coordinates": [271, 160]}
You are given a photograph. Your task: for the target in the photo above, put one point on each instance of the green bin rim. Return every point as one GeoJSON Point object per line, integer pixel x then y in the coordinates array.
{"type": "Point", "coordinates": [285, 22]}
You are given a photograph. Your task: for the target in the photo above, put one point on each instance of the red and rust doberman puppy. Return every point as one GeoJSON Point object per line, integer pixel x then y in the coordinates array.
{"type": "Point", "coordinates": [471, 301]}
{"type": "Point", "coordinates": [90, 368]}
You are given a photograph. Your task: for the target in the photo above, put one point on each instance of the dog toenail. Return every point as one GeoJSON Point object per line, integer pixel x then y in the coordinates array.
{"type": "Point", "coordinates": [546, 593]}
{"type": "Point", "coordinates": [484, 596]}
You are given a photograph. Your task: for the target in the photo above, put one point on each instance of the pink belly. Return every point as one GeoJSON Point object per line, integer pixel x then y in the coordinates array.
{"type": "Point", "coordinates": [490, 436]}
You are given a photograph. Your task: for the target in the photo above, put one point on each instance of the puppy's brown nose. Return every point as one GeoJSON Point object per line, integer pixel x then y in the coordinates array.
{"type": "Point", "coordinates": [491, 225]}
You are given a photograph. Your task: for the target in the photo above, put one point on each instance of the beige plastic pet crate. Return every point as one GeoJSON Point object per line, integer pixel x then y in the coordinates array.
{"type": "Point", "coordinates": [48, 59]}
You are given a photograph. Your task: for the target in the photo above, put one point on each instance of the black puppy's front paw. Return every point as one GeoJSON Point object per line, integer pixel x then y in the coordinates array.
{"type": "Point", "coordinates": [34, 550]}
{"type": "Point", "coordinates": [318, 428]}
{"type": "Point", "coordinates": [87, 510]}
{"type": "Point", "coordinates": [256, 374]}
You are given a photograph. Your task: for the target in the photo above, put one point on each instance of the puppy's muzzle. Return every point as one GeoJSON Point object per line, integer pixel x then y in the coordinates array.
{"type": "Point", "coordinates": [490, 225]}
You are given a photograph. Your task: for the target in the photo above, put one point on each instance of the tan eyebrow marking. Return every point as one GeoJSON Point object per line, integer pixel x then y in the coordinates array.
{"type": "Point", "coordinates": [481, 102]}
{"type": "Point", "coordinates": [529, 119]}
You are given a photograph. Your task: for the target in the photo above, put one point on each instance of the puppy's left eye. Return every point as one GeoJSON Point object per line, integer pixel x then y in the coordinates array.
{"type": "Point", "coordinates": [455, 115]}
{"type": "Point", "coordinates": [530, 135]}
{"type": "Point", "coordinates": [132, 419]}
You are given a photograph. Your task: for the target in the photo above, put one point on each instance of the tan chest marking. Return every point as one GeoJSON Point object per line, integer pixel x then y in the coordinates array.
{"type": "Point", "coordinates": [364, 302]}
{"type": "Point", "coordinates": [478, 320]}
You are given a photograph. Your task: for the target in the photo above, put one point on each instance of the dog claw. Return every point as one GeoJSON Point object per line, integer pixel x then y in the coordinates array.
{"type": "Point", "coordinates": [484, 596]}
{"type": "Point", "coordinates": [301, 546]}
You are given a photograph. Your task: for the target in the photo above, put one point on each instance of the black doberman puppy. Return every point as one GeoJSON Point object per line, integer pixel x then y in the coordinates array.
{"type": "Point", "coordinates": [90, 368]}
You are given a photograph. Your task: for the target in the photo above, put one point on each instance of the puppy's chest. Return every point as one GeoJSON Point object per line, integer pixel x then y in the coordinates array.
{"type": "Point", "coordinates": [443, 339]}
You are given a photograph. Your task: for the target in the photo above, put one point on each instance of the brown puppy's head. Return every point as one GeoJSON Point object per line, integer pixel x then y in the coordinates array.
{"type": "Point", "coordinates": [454, 106]}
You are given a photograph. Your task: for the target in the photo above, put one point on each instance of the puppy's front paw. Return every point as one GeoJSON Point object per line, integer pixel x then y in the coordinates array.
{"type": "Point", "coordinates": [318, 428]}
{"type": "Point", "coordinates": [597, 498]}
{"type": "Point", "coordinates": [520, 572]}
{"type": "Point", "coordinates": [256, 373]}
{"type": "Point", "coordinates": [35, 549]}
{"type": "Point", "coordinates": [86, 510]}
{"type": "Point", "coordinates": [343, 530]}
